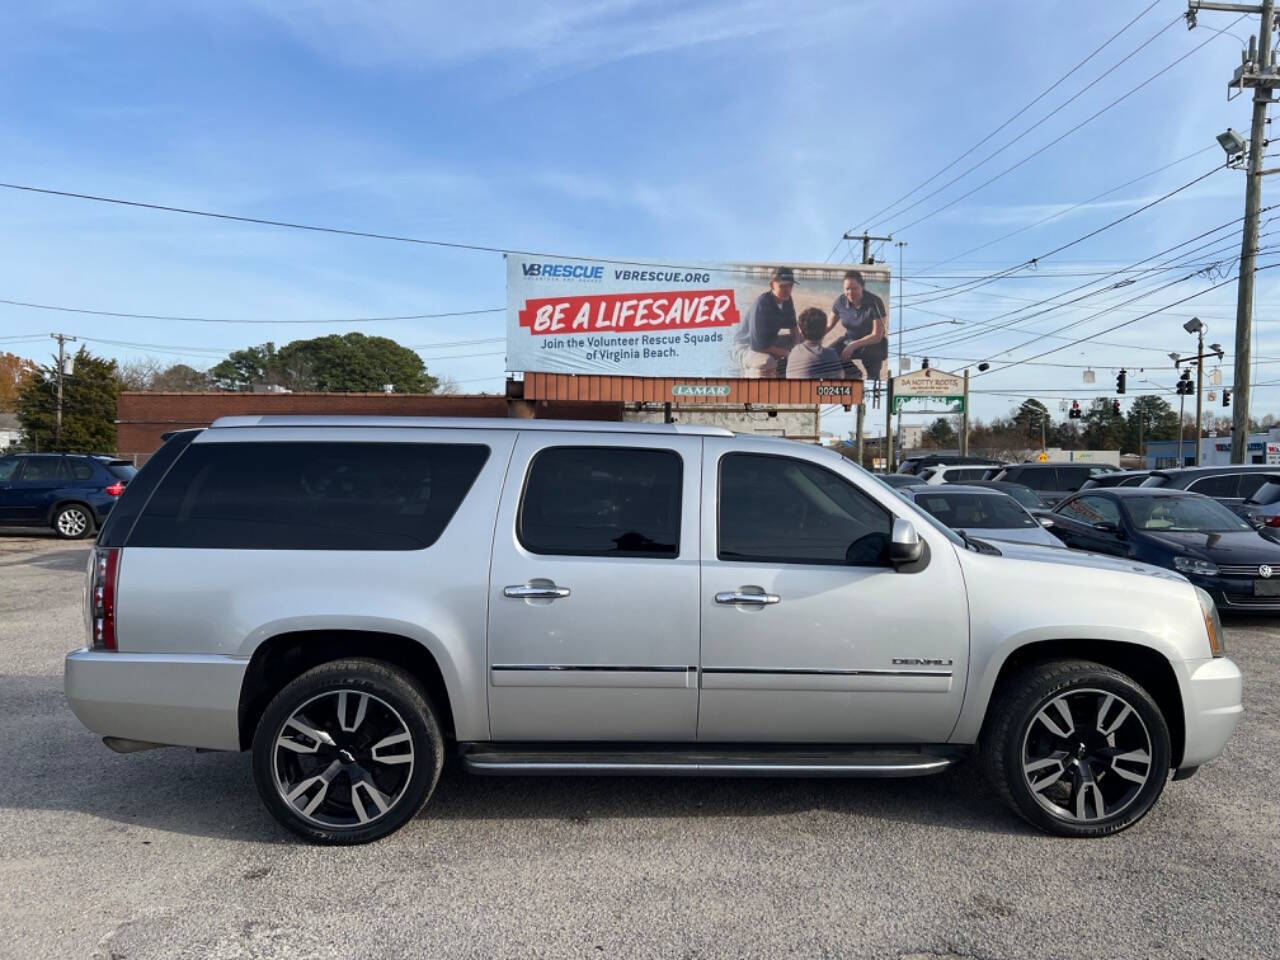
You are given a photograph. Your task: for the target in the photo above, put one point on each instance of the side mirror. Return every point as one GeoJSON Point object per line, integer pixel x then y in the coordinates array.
{"type": "Point", "coordinates": [1045, 521]}
{"type": "Point", "coordinates": [904, 543]}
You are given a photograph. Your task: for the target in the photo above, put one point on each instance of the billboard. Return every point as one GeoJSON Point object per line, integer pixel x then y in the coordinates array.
{"type": "Point", "coordinates": [735, 321]}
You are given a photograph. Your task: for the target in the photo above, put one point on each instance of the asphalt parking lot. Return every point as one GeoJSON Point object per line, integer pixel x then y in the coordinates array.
{"type": "Point", "coordinates": [169, 854]}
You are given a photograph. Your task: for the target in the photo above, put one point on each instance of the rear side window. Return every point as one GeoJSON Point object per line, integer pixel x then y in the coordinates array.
{"type": "Point", "coordinates": [309, 496]}
{"type": "Point", "coordinates": [7, 468]}
{"type": "Point", "coordinates": [1224, 485]}
{"type": "Point", "coordinates": [121, 469]}
{"type": "Point", "coordinates": [602, 502]}
{"type": "Point", "coordinates": [1072, 478]}
{"type": "Point", "coordinates": [1039, 479]}
{"type": "Point", "coordinates": [80, 469]}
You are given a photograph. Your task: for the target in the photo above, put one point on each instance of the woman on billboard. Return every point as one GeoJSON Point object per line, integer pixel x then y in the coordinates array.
{"type": "Point", "coordinates": [865, 337]}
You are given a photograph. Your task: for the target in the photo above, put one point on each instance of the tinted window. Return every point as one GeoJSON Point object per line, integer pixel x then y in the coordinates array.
{"type": "Point", "coordinates": [1092, 510]}
{"type": "Point", "coordinates": [1266, 494]}
{"type": "Point", "coordinates": [309, 496]}
{"type": "Point", "coordinates": [80, 469]}
{"type": "Point", "coordinates": [115, 532]}
{"type": "Point", "coordinates": [1072, 478]}
{"type": "Point", "coordinates": [602, 501]}
{"type": "Point", "coordinates": [1135, 481]}
{"type": "Point", "coordinates": [781, 510]}
{"type": "Point", "coordinates": [976, 511]}
{"type": "Point", "coordinates": [41, 469]}
{"type": "Point", "coordinates": [1225, 485]}
{"type": "Point", "coordinates": [970, 473]}
{"type": "Point", "coordinates": [7, 468]}
{"type": "Point", "coordinates": [1250, 483]}
{"type": "Point", "coordinates": [1038, 479]}
{"type": "Point", "coordinates": [121, 469]}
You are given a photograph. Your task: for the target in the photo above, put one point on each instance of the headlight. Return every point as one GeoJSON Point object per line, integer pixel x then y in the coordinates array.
{"type": "Point", "coordinates": [1202, 568]}
{"type": "Point", "coordinates": [1212, 623]}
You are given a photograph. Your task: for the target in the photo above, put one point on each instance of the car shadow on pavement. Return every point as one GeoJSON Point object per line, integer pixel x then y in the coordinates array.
{"type": "Point", "coordinates": [213, 794]}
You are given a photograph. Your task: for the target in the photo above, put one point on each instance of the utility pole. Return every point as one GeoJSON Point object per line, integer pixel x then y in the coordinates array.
{"type": "Point", "coordinates": [62, 339]}
{"type": "Point", "coordinates": [964, 418]}
{"type": "Point", "coordinates": [862, 407]}
{"type": "Point", "coordinates": [1182, 404]}
{"type": "Point", "coordinates": [1255, 72]}
{"type": "Point", "coordinates": [900, 245]}
{"type": "Point", "coordinates": [1200, 392]}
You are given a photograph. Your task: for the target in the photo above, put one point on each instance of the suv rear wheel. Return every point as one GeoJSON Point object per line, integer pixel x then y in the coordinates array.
{"type": "Point", "coordinates": [1076, 748]}
{"type": "Point", "coordinates": [73, 521]}
{"type": "Point", "coordinates": [348, 752]}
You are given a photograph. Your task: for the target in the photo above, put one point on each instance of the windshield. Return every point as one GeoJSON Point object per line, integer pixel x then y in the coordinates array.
{"type": "Point", "coordinates": [1181, 515]}
{"type": "Point", "coordinates": [1024, 495]}
{"type": "Point", "coordinates": [976, 511]}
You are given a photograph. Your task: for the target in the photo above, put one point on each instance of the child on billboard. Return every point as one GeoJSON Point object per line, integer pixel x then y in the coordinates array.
{"type": "Point", "coordinates": [810, 360]}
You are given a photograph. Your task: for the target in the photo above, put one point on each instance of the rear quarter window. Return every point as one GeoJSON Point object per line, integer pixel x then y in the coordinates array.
{"type": "Point", "coordinates": [309, 496]}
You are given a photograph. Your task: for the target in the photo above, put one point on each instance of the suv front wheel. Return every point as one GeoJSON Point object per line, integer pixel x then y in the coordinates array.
{"type": "Point", "coordinates": [1076, 748]}
{"type": "Point", "coordinates": [348, 752]}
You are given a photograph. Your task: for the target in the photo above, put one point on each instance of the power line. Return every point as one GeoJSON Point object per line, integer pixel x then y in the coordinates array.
{"type": "Point", "coordinates": [1056, 140]}
{"type": "Point", "coordinates": [1048, 90]}
{"type": "Point", "coordinates": [154, 316]}
{"type": "Point", "coordinates": [1048, 116]}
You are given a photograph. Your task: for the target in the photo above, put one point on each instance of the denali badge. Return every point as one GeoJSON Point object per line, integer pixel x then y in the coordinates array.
{"type": "Point", "coordinates": [922, 662]}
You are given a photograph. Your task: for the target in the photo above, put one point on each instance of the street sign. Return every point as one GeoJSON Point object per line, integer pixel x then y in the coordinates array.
{"type": "Point", "coordinates": [929, 384]}
{"type": "Point", "coordinates": [1043, 457]}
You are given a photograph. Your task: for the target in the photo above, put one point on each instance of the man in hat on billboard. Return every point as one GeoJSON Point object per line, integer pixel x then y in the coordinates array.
{"type": "Point", "coordinates": [758, 345]}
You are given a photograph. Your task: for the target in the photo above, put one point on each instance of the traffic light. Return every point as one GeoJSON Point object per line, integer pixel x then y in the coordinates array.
{"type": "Point", "coordinates": [1120, 381]}
{"type": "Point", "coordinates": [1074, 412]}
{"type": "Point", "coordinates": [1115, 407]}
{"type": "Point", "coordinates": [1226, 398]}
{"type": "Point", "coordinates": [1185, 386]}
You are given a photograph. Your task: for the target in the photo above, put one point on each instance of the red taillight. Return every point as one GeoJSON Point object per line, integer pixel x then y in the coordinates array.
{"type": "Point", "coordinates": [1272, 521]}
{"type": "Point", "coordinates": [115, 489]}
{"type": "Point", "coordinates": [102, 598]}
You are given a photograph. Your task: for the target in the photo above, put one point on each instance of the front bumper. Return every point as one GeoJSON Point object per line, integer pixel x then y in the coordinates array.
{"type": "Point", "coordinates": [1236, 594]}
{"type": "Point", "coordinates": [1211, 702]}
{"type": "Point", "coordinates": [179, 699]}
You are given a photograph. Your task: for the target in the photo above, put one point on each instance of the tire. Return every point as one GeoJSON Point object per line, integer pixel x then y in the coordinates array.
{"type": "Point", "coordinates": [356, 745]}
{"type": "Point", "coordinates": [1091, 771]}
{"type": "Point", "coordinates": [73, 521]}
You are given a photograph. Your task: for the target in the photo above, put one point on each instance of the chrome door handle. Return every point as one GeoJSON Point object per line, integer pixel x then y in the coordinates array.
{"type": "Point", "coordinates": [750, 599]}
{"type": "Point", "coordinates": [527, 591]}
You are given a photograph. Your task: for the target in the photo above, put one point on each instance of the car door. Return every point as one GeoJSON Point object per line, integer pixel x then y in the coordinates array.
{"type": "Point", "coordinates": [8, 472]}
{"type": "Point", "coordinates": [31, 492]}
{"type": "Point", "coordinates": [593, 596]}
{"type": "Point", "coordinates": [808, 634]}
{"type": "Point", "coordinates": [1093, 523]}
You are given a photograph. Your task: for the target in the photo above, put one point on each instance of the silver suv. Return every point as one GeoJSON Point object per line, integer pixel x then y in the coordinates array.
{"type": "Point", "coordinates": [352, 599]}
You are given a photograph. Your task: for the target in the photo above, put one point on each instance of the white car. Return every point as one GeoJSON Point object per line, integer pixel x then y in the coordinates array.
{"type": "Point", "coordinates": [958, 473]}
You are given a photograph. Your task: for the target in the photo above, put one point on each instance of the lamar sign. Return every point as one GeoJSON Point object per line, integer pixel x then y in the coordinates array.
{"type": "Point", "coordinates": [927, 384]}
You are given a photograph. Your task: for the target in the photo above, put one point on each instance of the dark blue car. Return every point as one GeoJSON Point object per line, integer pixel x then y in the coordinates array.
{"type": "Point", "coordinates": [72, 493]}
{"type": "Point", "coordinates": [1187, 532]}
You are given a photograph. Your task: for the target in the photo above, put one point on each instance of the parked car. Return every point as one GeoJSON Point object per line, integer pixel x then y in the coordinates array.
{"type": "Point", "coordinates": [990, 514]}
{"type": "Point", "coordinates": [1116, 478]}
{"type": "Point", "coordinates": [900, 480]}
{"type": "Point", "coordinates": [1187, 532]}
{"type": "Point", "coordinates": [345, 596]}
{"type": "Point", "coordinates": [1052, 481]}
{"type": "Point", "coordinates": [919, 463]}
{"type": "Point", "coordinates": [1262, 507]}
{"type": "Point", "coordinates": [1229, 484]}
{"type": "Point", "coordinates": [70, 493]}
{"type": "Point", "coordinates": [951, 473]}
{"type": "Point", "coordinates": [1027, 498]}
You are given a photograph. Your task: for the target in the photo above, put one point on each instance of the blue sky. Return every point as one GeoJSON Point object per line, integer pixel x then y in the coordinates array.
{"type": "Point", "coordinates": [685, 130]}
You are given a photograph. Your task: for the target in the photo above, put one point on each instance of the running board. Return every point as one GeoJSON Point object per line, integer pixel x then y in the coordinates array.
{"type": "Point", "coordinates": [729, 761]}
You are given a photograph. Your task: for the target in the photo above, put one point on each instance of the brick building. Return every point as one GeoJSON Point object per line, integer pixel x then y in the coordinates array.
{"type": "Point", "coordinates": [143, 418]}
